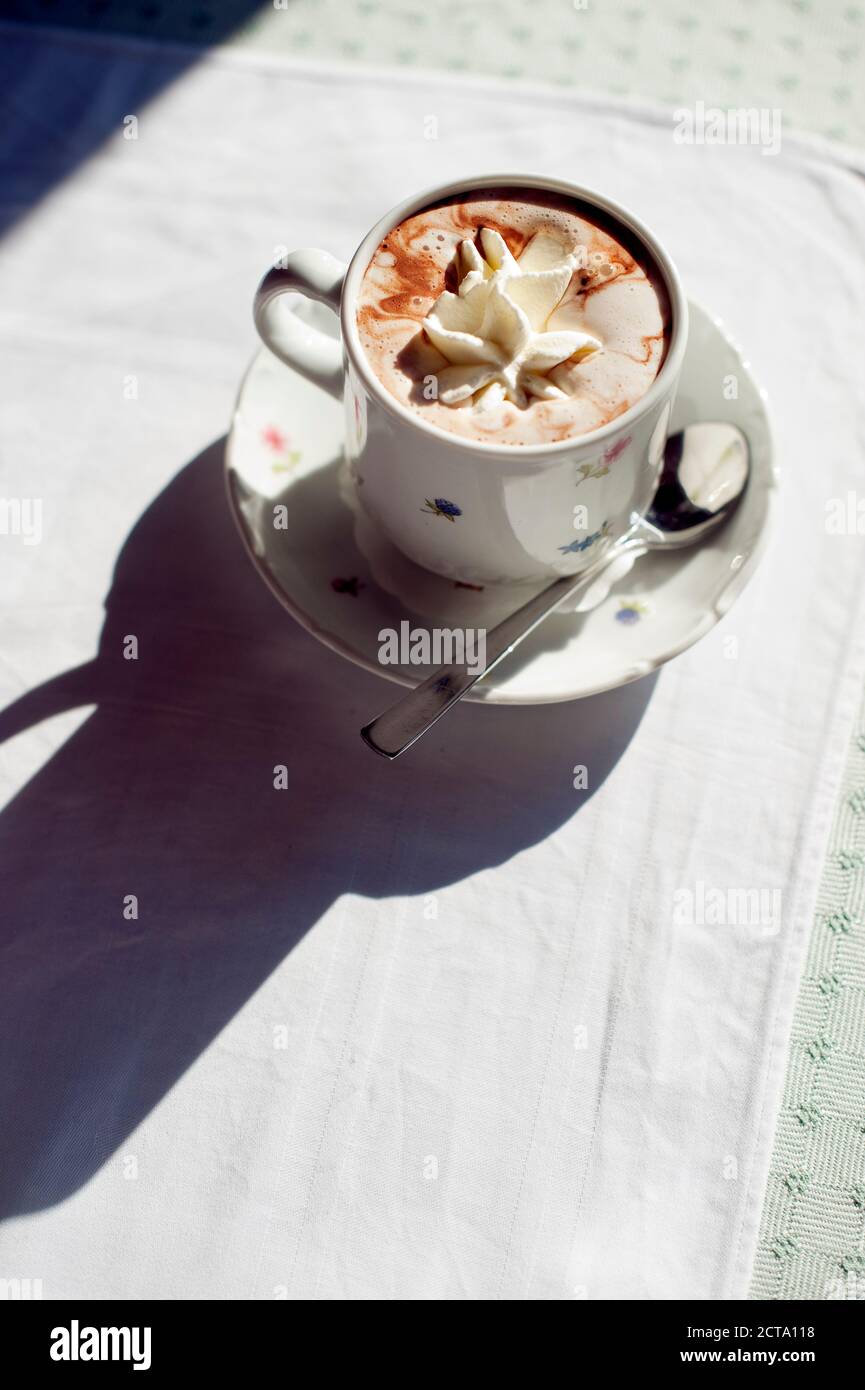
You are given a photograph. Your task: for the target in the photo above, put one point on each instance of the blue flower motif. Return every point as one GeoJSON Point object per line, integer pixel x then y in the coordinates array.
{"type": "Point", "coordinates": [630, 611]}
{"type": "Point", "coordinates": [440, 506]}
{"type": "Point", "coordinates": [576, 546]}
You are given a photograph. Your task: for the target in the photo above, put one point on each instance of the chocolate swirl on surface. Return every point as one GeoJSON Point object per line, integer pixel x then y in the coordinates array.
{"type": "Point", "coordinates": [616, 294]}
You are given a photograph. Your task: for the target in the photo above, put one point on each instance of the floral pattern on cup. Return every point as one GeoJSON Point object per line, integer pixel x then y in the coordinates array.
{"type": "Point", "coordinates": [280, 444]}
{"type": "Point", "coordinates": [440, 506]}
{"type": "Point", "coordinates": [599, 468]}
{"type": "Point", "coordinates": [575, 547]}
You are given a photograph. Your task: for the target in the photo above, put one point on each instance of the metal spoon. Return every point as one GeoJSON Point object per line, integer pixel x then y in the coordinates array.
{"type": "Point", "coordinates": [705, 472]}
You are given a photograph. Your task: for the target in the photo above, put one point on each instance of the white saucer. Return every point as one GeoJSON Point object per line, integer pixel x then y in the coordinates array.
{"type": "Point", "coordinates": [344, 583]}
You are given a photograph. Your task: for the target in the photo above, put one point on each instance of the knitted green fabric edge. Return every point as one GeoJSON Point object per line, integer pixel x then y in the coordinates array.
{"type": "Point", "coordinates": [812, 1237]}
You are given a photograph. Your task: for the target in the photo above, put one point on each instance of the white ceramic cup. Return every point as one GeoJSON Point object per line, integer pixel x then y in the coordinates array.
{"type": "Point", "coordinates": [478, 512]}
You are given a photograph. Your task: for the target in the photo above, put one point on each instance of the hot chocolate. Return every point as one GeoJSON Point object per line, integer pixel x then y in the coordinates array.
{"type": "Point", "coordinates": [513, 317]}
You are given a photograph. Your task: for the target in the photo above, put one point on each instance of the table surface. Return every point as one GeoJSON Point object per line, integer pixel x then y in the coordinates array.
{"type": "Point", "coordinates": [801, 57]}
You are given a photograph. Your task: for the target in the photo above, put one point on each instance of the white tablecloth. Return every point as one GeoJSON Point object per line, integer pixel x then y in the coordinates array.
{"type": "Point", "coordinates": [422, 1030]}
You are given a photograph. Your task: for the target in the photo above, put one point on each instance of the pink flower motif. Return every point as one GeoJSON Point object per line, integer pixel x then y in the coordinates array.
{"type": "Point", "coordinates": [273, 439]}
{"type": "Point", "coordinates": [616, 449]}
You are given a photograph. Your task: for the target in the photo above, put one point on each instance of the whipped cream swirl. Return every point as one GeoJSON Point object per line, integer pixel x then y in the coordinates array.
{"type": "Point", "coordinates": [494, 331]}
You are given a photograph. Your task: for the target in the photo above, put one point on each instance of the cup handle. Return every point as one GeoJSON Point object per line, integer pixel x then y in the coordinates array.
{"type": "Point", "coordinates": [317, 275]}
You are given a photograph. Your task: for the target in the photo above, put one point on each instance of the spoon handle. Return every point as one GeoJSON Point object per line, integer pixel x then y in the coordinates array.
{"type": "Point", "coordinates": [404, 722]}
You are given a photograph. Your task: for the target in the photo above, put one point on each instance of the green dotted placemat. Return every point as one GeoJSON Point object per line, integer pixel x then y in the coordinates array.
{"type": "Point", "coordinates": [812, 1241]}
{"type": "Point", "coordinates": [803, 57]}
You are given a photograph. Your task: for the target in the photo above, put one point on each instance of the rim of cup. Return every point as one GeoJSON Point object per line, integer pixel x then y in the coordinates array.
{"type": "Point", "coordinates": [360, 362]}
